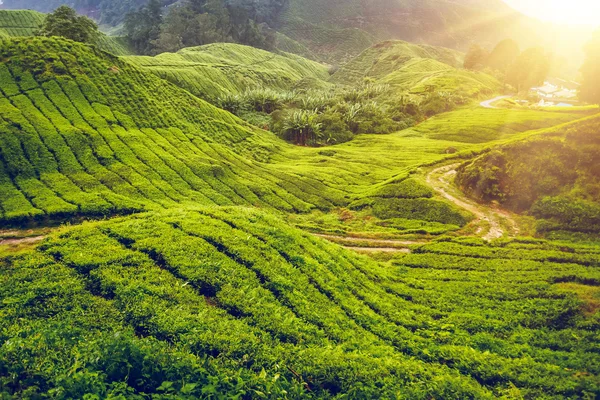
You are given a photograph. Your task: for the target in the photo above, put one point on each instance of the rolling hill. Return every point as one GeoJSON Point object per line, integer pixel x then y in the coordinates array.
{"type": "Point", "coordinates": [216, 69]}
{"type": "Point", "coordinates": [553, 177]}
{"type": "Point", "coordinates": [415, 68]}
{"type": "Point", "coordinates": [184, 303]}
{"type": "Point", "coordinates": [455, 24]}
{"type": "Point", "coordinates": [209, 290]}
{"type": "Point", "coordinates": [18, 23]}
{"type": "Point", "coordinates": [87, 134]}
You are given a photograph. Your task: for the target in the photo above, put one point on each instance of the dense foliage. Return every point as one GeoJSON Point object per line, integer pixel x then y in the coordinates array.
{"type": "Point", "coordinates": [190, 303]}
{"type": "Point", "coordinates": [65, 22]}
{"type": "Point", "coordinates": [554, 177]}
{"type": "Point", "coordinates": [17, 23]}
{"type": "Point", "coordinates": [522, 70]}
{"type": "Point", "coordinates": [197, 22]}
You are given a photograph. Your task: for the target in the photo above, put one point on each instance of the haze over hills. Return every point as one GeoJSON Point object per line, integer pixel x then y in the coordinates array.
{"type": "Point", "coordinates": [229, 222]}
{"type": "Point", "coordinates": [335, 31]}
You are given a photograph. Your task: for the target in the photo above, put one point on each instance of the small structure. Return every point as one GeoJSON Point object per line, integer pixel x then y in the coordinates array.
{"type": "Point", "coordinates": [555, 91]}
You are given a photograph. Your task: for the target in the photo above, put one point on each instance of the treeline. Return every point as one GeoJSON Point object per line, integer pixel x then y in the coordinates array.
{"type": "Point", "coordinates": [522, 70]}
{"type": "Point", "coordinates": [154, 28]}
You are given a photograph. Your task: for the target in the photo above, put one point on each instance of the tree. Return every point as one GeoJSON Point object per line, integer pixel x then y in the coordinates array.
{"type": "Point", "coordinates": [476, 58]}
{"type": "Point", "coordinates": [529, 70]}
{"type": "Point", "coordinates": [590, 85]}
{"type": "Point", "coordinates": [504, 54]}
{"type": "Point", "coordinates": [302, 128]}
{"type": "Point", "coordinates": [142, 27]}
{"type": "Point", "coordinates": [65, 22]}
{"type": "Point", "coordinates": [182, 28]}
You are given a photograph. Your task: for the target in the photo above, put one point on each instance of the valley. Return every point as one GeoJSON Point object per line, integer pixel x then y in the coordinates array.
{"type": "Point", "coordinates": [224, 221]}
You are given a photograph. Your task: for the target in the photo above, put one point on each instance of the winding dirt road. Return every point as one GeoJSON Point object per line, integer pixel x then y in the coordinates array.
{"type": "Point", "coordinates": [490, 222]}
{"type": "Point", "coordinates": [488, 103]}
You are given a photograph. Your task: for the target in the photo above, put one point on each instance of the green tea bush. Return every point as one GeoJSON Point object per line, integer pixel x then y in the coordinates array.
{"type": "Point", "coordinates": [421, 209]}
{"type": "Point", "coordinates": [233, 302]}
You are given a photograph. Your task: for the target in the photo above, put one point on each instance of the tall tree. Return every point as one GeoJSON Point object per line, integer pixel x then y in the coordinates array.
{"type": "Point", "coordinates": [65, 22]}
{"type": "Point", "coordinates": [590, 85]}
{"type": "Point", "coordinates": [529, 70]}
{"type": "Point", "coordinates": [476, 58]}
{"type": "Point", "coordinates": [142, 27]}
{"type": "Point", "coordinates": [504, 54]}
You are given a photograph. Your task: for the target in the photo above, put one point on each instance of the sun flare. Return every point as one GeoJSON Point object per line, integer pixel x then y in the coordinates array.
{"type": "Point", "coordinates": [572, 12]}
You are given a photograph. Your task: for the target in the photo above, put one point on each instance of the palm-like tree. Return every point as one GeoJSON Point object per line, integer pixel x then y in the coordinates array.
{"type": "Point", "coordinates": [302, 127]}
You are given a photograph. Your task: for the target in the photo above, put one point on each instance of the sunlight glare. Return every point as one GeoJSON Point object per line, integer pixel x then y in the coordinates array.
{"type": "Point", "coordinates": [572, 12]}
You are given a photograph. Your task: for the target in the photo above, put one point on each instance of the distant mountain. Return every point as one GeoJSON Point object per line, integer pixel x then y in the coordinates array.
{"type": "Point", "coordinates": [455, 24]}
{"type": "Point", "coordinates": [335, 31]}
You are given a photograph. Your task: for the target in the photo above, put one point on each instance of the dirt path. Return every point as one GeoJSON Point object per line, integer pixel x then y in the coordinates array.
{"type": "Point", "coordinates": [490, 223]}
{"type": "Point", "coordinates": [488, 103]}
{"type": "Point", "coordinates": [370, 245]}
{"type": "Point", "coordinates": [18, 241]}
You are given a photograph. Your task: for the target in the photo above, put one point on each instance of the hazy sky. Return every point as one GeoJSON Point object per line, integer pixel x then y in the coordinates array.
{"type": "Point", "coordinates": [564, 11]}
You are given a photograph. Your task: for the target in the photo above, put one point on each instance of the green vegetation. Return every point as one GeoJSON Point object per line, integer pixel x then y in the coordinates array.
{"type": "Point", "coordinates": [216, 70]}
{"type": "Point", "coordinates": [212, 290]}
{"type": "Point", "coordinates": [193, 23]}
{"type": "Point", "coordinates": [17, 23]}
{"type": "Point", "coordinates": [65, 22]}
{"type": "Point", "coordinates": [484, 125]}
{"type": "Point", "coordinates": [553, 176]}
{"type": "Point", "coordinates": [416, 69]}
{"type": "Point", "coordinates": [231, 301]}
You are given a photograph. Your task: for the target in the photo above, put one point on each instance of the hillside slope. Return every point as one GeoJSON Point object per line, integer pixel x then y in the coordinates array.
{"type": "Point", "coordinates": [84, 133]}
{"type": "Point", "coordinates": [554, 177]}
{"type": "Point", "coordinates": [18, 23]}
{"type": "Point", "coordinates": [415, 68]}
{"type": "Point", "coordinates": [217, 69]}
{"type": "Point", "coordinates": [231, 301]}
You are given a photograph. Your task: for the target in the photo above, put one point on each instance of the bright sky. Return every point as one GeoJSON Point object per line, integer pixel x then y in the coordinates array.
{"type": "Point", "coordinates": [575, 12]}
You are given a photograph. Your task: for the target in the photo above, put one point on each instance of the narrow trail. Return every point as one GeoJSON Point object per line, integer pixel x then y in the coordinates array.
{"type": "Point", "coordinates": [490, 222]}
{"type": "Point", "coordinates": [17, 241]}
{"type": "Point", "coordinates": [488, 103]}
{"type": "Point", "coordinates": [369, 245]}
{"type": "Point", "coordinates": [19, 237]}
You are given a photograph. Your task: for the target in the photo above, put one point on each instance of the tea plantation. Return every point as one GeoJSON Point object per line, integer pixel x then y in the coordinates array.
{"type": "Point", "coordinates": [19, 23]}
{"type": "Point", "coordinates": [229, 300]}
{"type": "Point", "coordinates": [185, 273]}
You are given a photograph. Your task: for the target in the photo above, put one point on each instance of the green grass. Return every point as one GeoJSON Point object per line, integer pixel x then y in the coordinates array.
{"type": "Point", "coordinates": [147, 303]}
{"type": "Point", "coordinates": [216, 69]}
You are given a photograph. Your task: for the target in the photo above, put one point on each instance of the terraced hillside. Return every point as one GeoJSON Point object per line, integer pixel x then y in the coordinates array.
{"type": "Point", "coordinates": [17, 23]}
{"type": "Point", "coordinates": [415, 68]}
{"type": "Point", "coordinates": [88, 134]}
{"type": "Point", "coordinates": [217, 69]}
{"type": "Point", "coordinates": [231, 301]}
